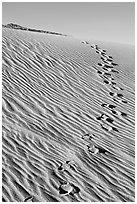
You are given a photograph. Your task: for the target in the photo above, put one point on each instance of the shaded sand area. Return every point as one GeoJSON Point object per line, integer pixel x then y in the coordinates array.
{"type": "Point", "coordinates": [68, 119]}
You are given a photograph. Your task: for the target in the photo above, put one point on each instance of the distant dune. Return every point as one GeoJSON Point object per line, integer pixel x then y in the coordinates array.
{"type": "Point", "coordinates": [68, 119]}
{"type": "Point", "coordinates": [18, 27]}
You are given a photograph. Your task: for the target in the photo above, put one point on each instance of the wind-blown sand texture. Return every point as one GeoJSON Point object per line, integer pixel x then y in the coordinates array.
{"type": "Point", "coordinates": [68, 119]}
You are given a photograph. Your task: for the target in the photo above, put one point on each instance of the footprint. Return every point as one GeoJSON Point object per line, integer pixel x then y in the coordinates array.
{"type": "Point", "coordinates": [105, 118]}
{"type": "Point", "coordinates": [107, 69]}
{"type": "Point", "coordinates": [107, 82]}
{"type": "Point", "coordinates": [120, 101]}
{"type": "Point", "coordinates": [63, 167]}
{"type": "Point", "coordinates": [87, 136]}
{"type": "Point", "coordinates": [111, 106]}
{"type": "Point", "coordinates": [99, 72]}
{"type": "Point", "coordinates": [98, 52]}
{"type": "Point", "coordinates": [65, 188]}
{"type": "Point", "coordinates": [111, 93]}
{"type": "Point", "coordinates": [109, 120]}
{"type": "Point", "coordinates": [109, 60]}
{"type": "Point", "coordinates": [108, 105]}
{"type": "Point", "coordinates": [85, 42]}
{"type": "Point", "coordinates": [94, 149]}
{"type": "Point", "coordinates": [108, 66]}
{"type": "Point", "coordinates": [109, 78]}
{"type": "Point", "coordinates": [114, 64]}
{"type": "Point", "coordinates": [106, 58]}
{"type": "Point", "coordinates": [76, 189]}
{"type": "Point", "coordinates": [99, 118]}
{"type": "Point", "coordinates": [103, 58]}
{"type": "Point", "coordinates": [119, 113]}
{"type": "Point", "coordinates": [100, 64]}
{"type": "Point", "coordinates": [102, 150]}
{"type": "Point", "coordinates": [108, 74]}
{"type": "Point", "coordinates": [123, 114]}
{"type": "Point", "coordinates": [113, 83]}
{"type": "Point", "coordinates": [115, 71]}
{"type": "Point", "coordinates": [115, 129]}
{"type": "Point", "coordinates": [108, 63]}
{"type": "Point", "coordinates": [120, 95]}
{"type": "Point", "coordinates": [117, 88]}
{"type": "Point", "coordinates": [104, 50]}
{"type": "Point", "coordinates": [67, 166]}
{"type": "Point", "coordinates": [104, 105]}
{"type": "Point", "coordinates": [108, 128]}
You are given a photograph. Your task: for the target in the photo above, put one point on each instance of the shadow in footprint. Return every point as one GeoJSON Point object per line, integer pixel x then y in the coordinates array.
{"type": "Point", "coordinates": [102, 150]}
{"type": "Point", "coordinates": [113, 83]}
{"type": "Point", "coordinates": [109, 60]}
{"type": "Point", "coordinates": [106, 69]}
{"type": "Point", "coordinates": [75, 190]}
{"type": "Point", "coordinates": [119, 113]}
{"type": "Point", "coordinates": [123, 114]}
{"type": "Point", "coordinates": [62, 191]}
{"type": "Point", "coordinates": [109, 120]}
{"type": "Point", "coordinates": [111, 93]}
{"type": "Point", "coordinates": [103, 58]}
{"type": "Point", "coordinates": [111, 106]}
{"type": "Point", "coordinates": [100, 64]}
{"type": "Point", "coordinates": [119, 95]}
{"type": "Point", "coordinates": [108, 74]}
{"type": "Point", "coordinates": [104, 105]}
{"type": "Point", "coordinates": [114, 64]}
{"type": "Point", "coordinates": [99, 118]}
{"type": "Point", "coordinates": [108, 66]}
{"type": "Point", "coordinates": [115, 71]}
{"type": "Point", "coordinates": [106, 82]}
{"type": "Point", "coordinates": [67, 188]}
{"type": "Point", "coordinates": [99, 72]}
{"type": "Point", "coordinates": [115, 129]}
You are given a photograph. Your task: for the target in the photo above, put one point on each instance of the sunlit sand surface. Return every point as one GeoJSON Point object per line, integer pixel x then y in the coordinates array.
{"type": "Point", "coordinates": [68, 119]}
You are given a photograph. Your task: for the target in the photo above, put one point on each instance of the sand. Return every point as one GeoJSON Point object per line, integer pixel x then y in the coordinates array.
{"type": "Point", "coordinates": [54, 114]}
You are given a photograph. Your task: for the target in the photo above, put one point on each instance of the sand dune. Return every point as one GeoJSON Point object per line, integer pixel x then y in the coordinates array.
{"type": "Point", "coordinates": [68, 124]}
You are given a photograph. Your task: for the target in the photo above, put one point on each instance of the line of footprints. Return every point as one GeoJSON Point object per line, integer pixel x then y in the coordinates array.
{"type": "Point", "coordinates": [66, 187]}
{"type": "Point", "coordinates": [105, 70]}
{"type": "Point", "coordinates": [107, 66]}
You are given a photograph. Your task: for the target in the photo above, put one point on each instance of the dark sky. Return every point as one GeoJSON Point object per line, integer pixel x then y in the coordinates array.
{"type": "Point", "coordinates": [103, 21]}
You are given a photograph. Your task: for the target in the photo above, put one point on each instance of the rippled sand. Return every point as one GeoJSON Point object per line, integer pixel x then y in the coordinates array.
{"type": "Point", "coordinates": [57, 106]}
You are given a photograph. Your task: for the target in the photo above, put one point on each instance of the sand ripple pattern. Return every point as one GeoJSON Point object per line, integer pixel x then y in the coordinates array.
{"type": "Point", "coordinates": [52, 96]}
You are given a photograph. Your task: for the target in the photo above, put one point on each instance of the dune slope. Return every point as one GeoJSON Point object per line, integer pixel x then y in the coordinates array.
{"type": "Point", "coordinates": [68, 120]}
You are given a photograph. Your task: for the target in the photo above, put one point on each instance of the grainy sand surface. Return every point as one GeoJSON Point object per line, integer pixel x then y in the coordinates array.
{"type": "Point", "coordinates": [68, 119]}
